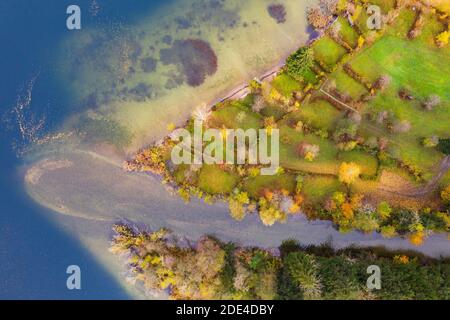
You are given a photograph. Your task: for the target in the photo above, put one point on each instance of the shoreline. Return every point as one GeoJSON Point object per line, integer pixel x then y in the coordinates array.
{"type": "Point", "coordinates": [241, 91]}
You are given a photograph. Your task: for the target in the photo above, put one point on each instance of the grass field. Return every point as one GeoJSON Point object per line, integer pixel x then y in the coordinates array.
{"type": "Point", "coordinates": [411, 64]}
{"type": "Point", "coordinates": [310, 77]}
{"type": "Point", "coordinates": [214, 180]}
{"type": "Point", "coordinates": [256, 186]}
{"type": "Point", "coordinates": [347, 33]}
{"type": "Point", "coordinates": [273, 111]}
{"type": "Point", "coordinates": [346, 84]}
{"type": "Point", "coordinates": [317, 188]}
{"type": "Point", "coordinates": [361, 21]}
{"type": "Point", "coordinates": [385, 5]}
{"type": "Point", "coordinates": [318, 114]}
{"type": "Point", "coordinates": [180, 174]}
{"type": "Point", "coordinates": [421, 68]}
{"type": "Point", "coordinates": [235, 115]}
{"type": "Point", "coordinates": [324, 164]}
{"type": "Point", "coordinates": [328, 51]}
{"type": "Point", "coordinates": [286, 85]}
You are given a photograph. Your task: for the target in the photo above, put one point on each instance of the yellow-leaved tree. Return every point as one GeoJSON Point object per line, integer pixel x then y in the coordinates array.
{"type": "Point", "coordinates": [442, 39]}
{"type": "Point", "coordinates": [349, 172]}
{"type": "Point", "coordinates": [417, 238]}
{"type": "Point", "coordinates": [445, 194]}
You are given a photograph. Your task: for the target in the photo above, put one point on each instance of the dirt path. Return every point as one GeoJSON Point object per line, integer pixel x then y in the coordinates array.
{"type": "Point", "coordinates": [423, 192]}
{"type": "Point", "coordinates": [339, 101]}
{"type": "Point", "coordinates": [243, 90]}
{"type": "Point", "coordinates": [431, 186]}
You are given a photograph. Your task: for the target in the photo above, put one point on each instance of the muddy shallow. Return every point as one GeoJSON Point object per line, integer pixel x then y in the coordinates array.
{"type": "Point", "coordinates": [101, 192]}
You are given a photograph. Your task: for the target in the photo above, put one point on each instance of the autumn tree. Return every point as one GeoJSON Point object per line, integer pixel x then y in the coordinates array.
{"type": "Point", "coordinates": [430, 142]}
{"type": "Point", "coordinates": [266, 286]}
{"type": "Point", "coordinates": [319, 16]}
{"type": "Point", "coordinates": [308, 151]}
{"type": "Point", "coordinates": [417, 238]}
{"type": "Point", "coordinates": [384, 210]}
{"type": "Point", "coordinates": [365, 221]}
{"type": "Point", "coordinates": [401, 259]}
{"type": "Point", "coordinates": [329, 7]}
{"type": "Point", "coordinates": [210, 257]}
{"type": "Point", "coordinates": [442, 39]}
{"type": "Point", "coordinates": [388, 231]}
{"type": "Point", "coordinates": [258, 104]}
{"type": "Point", "coordinates": [349, 172]}
{"type": "Point", "coordinates": [269, 214]}
{"type": "Point", "coordinates": [237, 210]}
{"type": "Point", "coordinates": [346, 134]}
{"type": "Point", "coordinates": [255, 86]}
{"type": "Point", "coordinates": [445, 195]}
{"type": "Point", "coordinates": [300, 181]}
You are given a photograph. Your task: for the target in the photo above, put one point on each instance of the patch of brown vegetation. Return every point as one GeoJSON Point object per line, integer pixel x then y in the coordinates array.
{"type": "Point", "coordinates": [194, 57]}
{"type": "Point", "coordinates": [277, 12]}
{"type": "Point", "coordinates": [393, 188]}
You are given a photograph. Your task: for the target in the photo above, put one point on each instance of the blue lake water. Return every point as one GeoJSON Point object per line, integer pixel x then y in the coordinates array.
{"type": "Point", "coordinates": [34, 253]}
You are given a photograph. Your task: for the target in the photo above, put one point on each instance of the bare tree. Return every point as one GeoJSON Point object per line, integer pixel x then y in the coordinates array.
{"type": "Point", "coordinates": [431, 102]}
{"type": "Point", "coordinates": [328, 7]}
{"type": "Point", "coordinates": [401, 127]}
{"type": "Point", "coordinates": [383, 143]}
{"type": "Point", "coordinates": [383, 82]}
{"type": "Point", "coordinates": [317, 18]}
{"type": "Point", "coordinates": [382, 116]}
{"type": "Point", "coordinates": [258, 104]}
